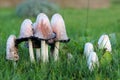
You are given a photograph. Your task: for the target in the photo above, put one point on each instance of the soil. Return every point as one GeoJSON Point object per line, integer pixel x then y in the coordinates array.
{"type": "Point", "coordinates": [65, 3]}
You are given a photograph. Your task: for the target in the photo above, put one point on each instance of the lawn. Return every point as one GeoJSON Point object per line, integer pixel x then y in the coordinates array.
{"type": "Point", "coordinates": [100, 21]}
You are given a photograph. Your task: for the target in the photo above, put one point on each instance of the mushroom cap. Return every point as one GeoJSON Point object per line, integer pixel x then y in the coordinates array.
{"type": "Point", "coordinates": [88, 48]}
{"type": "Point", "coordinates": [58, 27]}
{"type": "Point", "coordinates": [42, 28]}
{"type": "Point", "coordinates": [26, 31]}
{"type": "Point", "coordinates": [11, 49]}
{"type": "Point", "coordinates": [104, 43]}
{"type": "Point", "coordinates": [92, 61]}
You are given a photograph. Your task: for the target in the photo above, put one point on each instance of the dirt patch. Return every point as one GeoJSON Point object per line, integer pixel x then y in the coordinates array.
{"type": "Point", "coordinates": [65, 3]}
{"type": "Point", "coordinates": [82, 3]}
{"type": "Point", "coordinates": [8, 3]}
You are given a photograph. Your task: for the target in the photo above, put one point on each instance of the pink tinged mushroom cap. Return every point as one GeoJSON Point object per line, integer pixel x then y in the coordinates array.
{"type": "Point", "coordinates": [58, 27]}
{"type": "Point", "coordinates": [11, 49]}
{"type": "Point", "coordinates": [104, 43]}
{"type": "Point", "coordinates": [26, 29]}
{"type": "Point", "coordinates": [42, 28]}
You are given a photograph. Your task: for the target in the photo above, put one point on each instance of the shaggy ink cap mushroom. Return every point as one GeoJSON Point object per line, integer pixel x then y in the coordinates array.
{"type": "Point", "coordinates": [26, 34]}
{"type": "Point", "coordinates": [42, 28]}
{"type": "Point", "coordinates": [26, 31]}
{"type": "Point", "coordinates": [11, 49]}
{"type": "Point", "coordinates": [104, 43]}
{"type": "Point", "coordinates": [92, 61]}
{"type": "Point", "coordinates": [58, 27]}
{"type": "Point", "coordinates": [88, 48]}
{"type": "Point", "coordinates": [43, 32]}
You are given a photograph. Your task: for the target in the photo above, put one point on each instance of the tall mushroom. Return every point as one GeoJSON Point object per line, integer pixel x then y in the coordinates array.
{"type": "Point", "coordinates": [104, 43]}
{"type": "Point", "coordinates": [26, 34]}
{"type": "Point", "coordinates": [92, 61]}
{"type": "Point", "coordinates": [43, 31]}
{"type": "Point", "coordinates": [88, 48]}
{"type": "Point", "coordinates": [58, 27]}
{"type": "Point", "coordinates": [11, 49]}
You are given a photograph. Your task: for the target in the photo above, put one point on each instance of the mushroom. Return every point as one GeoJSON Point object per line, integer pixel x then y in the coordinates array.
{"type": "Point", "coordinates": [58, 27]}
{"type": "Point", "coordinates": [69, 56]}
{"type": "Point", "coordinates": [88, 48]}
{"type": "Point", "coordinates": [11, 49]}
{"type": "Point", "coordinates": [92, 61]}
{"type": "Point", "coordinates": [26, 34]}
{"type": "Point", "coordinates": [43, 32]}
{"type": "Point", "coordinates": [104, 43]}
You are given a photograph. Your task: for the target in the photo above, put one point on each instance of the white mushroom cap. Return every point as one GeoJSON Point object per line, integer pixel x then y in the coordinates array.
{"type": "Point", "coordinates": [42, 28]}
{"type": "Point", "coordinates": [11, 49]}
{"type": "Point", "coordinates": [26, 29]}
{"type": "Point", "coordinates": [58, 27]}
{"type": "Point", "coordinates": [92, 61]}
{"type": "Point", "coordinates": [88, 48]}
{"type": "Point", "coordinates": [104, 43]}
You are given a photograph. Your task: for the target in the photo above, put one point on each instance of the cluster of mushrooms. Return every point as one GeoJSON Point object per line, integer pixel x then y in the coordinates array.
{"type": "Point", "coordinates": [91, 56]}
{"type": "Point", "coordinates": [42, 33]}
{"type": "Point", "coordinates": [39, 35]}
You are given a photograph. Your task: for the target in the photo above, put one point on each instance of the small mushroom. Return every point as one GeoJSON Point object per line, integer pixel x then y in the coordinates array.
{"type": "Point", "coordinates": [104, 43]}
{"type": "Point", "coordinates": [43, 32]}
{"type": "Point", "coordinates": [92, 61]}
{"type": "Point", "coordinates": [26, 34]}
{"type": "Point", "coordinates": [88, 48]}
{"type": "Point", "coordinates": [11, 49]}
{"type": "Point", "coordinates": [58, 27]}
{"type": "Point", "coordinates": [69, 56]}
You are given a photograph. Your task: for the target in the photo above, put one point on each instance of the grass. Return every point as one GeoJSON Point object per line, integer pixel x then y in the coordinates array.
{"type": "Point", "coordinates": [100, 21]}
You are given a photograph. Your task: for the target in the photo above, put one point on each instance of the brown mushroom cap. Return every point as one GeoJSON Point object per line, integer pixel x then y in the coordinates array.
{"type": "Point", "coordinates": [11, 49]}
{"type": "Point", "coordinates": [58, 27]}
{"type": "Point", "coordinates": [42, 28]}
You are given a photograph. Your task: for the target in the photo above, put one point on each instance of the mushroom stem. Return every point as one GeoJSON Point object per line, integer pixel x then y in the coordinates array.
{"type": "Point", "coordinates": [38, 54]}
{"type": "Point", "coordinates": [46, 52]}
{"type": "Point", "coordinates": [14, 64]}
{"type": "Point", "coordinates": [32, 59]}
{"type": "Point", "coordinates": [56, 51]}
{"type": "Point", "coordinates": [43, 51]}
